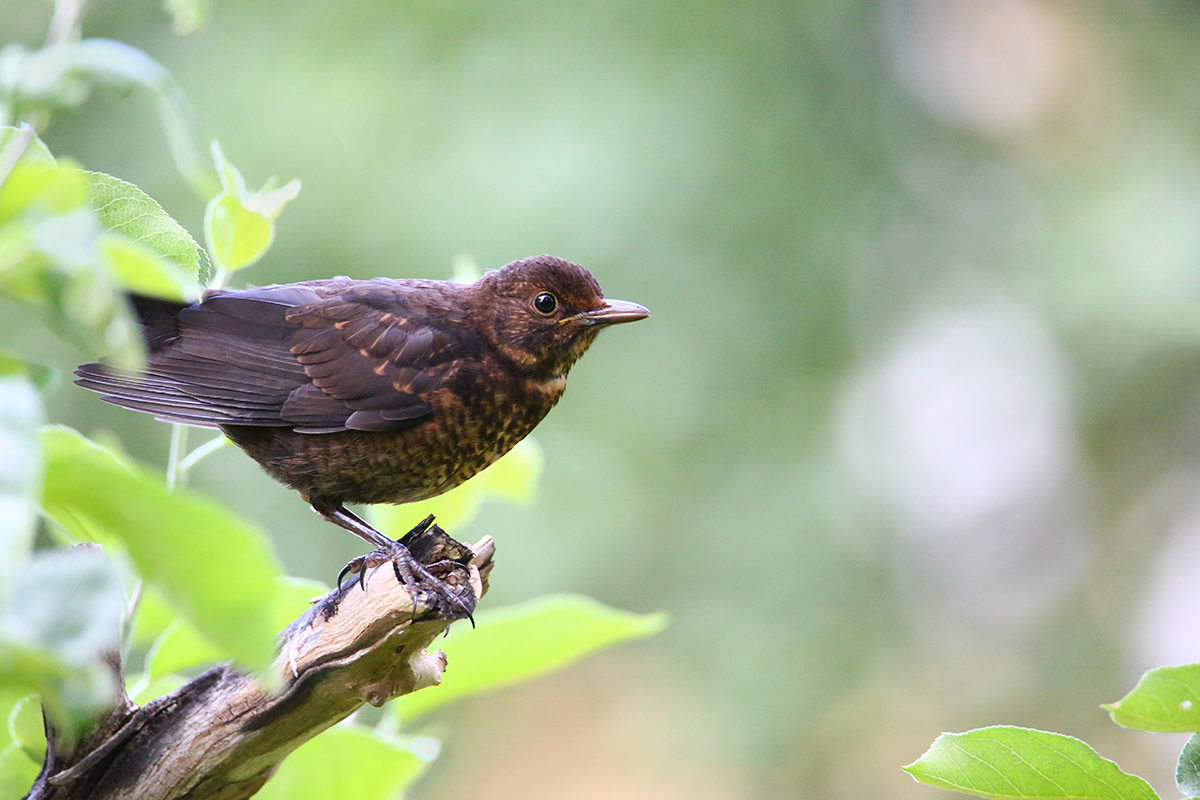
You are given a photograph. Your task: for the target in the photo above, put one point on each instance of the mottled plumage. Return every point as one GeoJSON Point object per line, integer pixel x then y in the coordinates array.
{"type": "Point", "coordinates": [379, 391]}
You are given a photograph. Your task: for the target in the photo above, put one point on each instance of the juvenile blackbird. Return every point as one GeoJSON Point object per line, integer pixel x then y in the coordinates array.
{"type": "Point", "coordinates": [379, 391]}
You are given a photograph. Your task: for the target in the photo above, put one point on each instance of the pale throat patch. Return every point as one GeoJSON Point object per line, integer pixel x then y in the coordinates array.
{"type": "Point", "coordinates": [554, 385]}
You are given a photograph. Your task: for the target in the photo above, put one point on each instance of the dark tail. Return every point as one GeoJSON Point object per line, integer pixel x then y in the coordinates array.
{"type": "Point", "coordinates": [159, 318]}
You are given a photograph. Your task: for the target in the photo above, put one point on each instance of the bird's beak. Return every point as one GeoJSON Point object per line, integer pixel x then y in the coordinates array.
{"type": "Point", "coordinates": [612, 312]}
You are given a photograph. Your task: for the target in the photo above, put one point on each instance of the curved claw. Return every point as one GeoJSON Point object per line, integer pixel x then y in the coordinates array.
{"type": "Point", "coordinates": [408, 570]}
{"type": "Point", "coordinates": [355, 565]}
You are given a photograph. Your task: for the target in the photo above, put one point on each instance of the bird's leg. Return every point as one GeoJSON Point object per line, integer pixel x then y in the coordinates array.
{"type": "Point", "coordinates": [403, 564]}
{"type": "Point", "coordinates": [407, 569]}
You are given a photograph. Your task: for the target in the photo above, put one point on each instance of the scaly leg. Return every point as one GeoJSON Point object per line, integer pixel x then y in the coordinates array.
{"type": "Point", "coordinates": [408, 570]}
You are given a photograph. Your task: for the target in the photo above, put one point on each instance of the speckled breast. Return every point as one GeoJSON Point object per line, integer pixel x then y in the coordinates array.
{"type": "Point", "coordinates": [471, 427]}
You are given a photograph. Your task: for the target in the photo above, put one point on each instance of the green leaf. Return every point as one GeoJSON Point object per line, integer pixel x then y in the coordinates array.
{"type": "Point", "coordinates": [1187, 770]}
{"type": "Point", "coordinates": [145, 691]}
{"type": "Point", "coordinates": [269, 201]}
{"type": "Point", "coordinates": [17, 773]}
{"type": "Point", "coordinates": [17, 145]}
{"type": "Point", "coordinates": [127, 210]}
{"type": "Point", "coordinates": [139, 269]}
{"type": "Point", "coordinates": [42, 186]}
{"type": "Point", "coordinates": [232, 181]}
{"type": "Point", "coordinates": [19, 765]}
{"type": "Point", "coordinates": [154, 615]}
{"type": "Point", "coordinates": [69, 603]}
{"type": "Point", "coordinates": [34, 150]}
{"type": "Point", "coordinates": [20, 469]}
{"type": "Point", "coordinates": [239, 225]}
{"type": "Point", "coordinates": [26, 727]}
{"type": "Point", "coordinates": [1165, 700]}
{"type": "Point", "coordinates": [59, 618]}
{"type": "Point", "coordinates": [187, 16]}
{"type": "Point", "coordinates": [295, 597]}
{"type": "Point", "coordinates": [1010, 762]}
{"type": "Point", "coordinates": [237, 237]}
{"type": "Point", "coordinates": [51, 258]}
{"type": "Point", "coordinates": [117, 63]}
{"type": "Point", "coordinates": [211, 566]}
{"type": "Point", "coordinates": [113, 62]}
{"type": "Point", "coordinates": [42, 377]}
{"type": "Point", "coordinates": [523, 641]}
{"type": "Point", "coordinates": [179, 648]}
{"type": "Point", "coordinates": [345, 761]}
{"type": "Point", "coordinates": [513, 477]}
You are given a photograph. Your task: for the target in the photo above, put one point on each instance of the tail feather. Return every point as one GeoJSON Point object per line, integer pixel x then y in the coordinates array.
{"type": "Point", "coordinates": [158, 317]}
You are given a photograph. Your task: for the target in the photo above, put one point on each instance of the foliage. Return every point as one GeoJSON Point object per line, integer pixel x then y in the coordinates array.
{"type": "Point", "coordinates": [1013, 762]}
{"type": "Point", "coordinates": [94, 495]}
{"type": "Point", "coordinates": [72, 244]}
{"type": "Point", "coordinates": [520, 642]}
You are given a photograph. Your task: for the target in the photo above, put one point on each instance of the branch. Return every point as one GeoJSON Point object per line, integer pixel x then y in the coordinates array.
{"type": "Point", "coordinates": [222, 735]}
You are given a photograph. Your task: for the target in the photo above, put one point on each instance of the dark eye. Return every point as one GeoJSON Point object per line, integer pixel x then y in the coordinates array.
{"type": "Point", "coordinates": [545, 303]}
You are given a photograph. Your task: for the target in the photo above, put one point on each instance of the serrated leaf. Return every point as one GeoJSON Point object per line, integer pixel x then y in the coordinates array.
{"type": "Point", "coordinates": [1165, 700]}
{"type": "Point", "coordinates": [513, 478]}
{"type": "Point", "coordinates": [211, 566]}
{"type": "Point", "coordinates": [523, 641]}
{"type": "Point", "coordinates": [127, 210]}
{"type": "Point", "coordinates": [345, 761]}
{"type": "Point", "coordinates": [20, 470]}
{"type": "Point", "coordinates": [1011, 762]}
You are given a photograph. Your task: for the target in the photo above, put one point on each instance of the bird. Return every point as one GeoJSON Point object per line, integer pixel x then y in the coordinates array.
{"type": "Point", "coordinates": [358, 392]}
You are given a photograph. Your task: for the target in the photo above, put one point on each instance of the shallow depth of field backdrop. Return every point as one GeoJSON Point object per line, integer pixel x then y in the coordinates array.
{"type": "Point", "coordinates": [912, 441]}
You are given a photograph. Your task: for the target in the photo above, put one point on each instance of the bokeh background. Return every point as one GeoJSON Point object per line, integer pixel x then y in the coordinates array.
{"type": "Point", "coordinates": [912, 441]}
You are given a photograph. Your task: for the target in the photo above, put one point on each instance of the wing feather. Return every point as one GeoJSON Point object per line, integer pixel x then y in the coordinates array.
{"type": "Point", "coordinates": [318, 357]}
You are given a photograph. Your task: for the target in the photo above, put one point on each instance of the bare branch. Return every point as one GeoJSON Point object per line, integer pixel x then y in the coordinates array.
{"type": "Point", "coordinates": [223, 735]}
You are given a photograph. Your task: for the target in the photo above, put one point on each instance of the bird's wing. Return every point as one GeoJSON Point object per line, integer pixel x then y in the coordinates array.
{"type": "Point", "coordinates": [369, 368]}
{"type": "Point", "coordinates": [284, 356]}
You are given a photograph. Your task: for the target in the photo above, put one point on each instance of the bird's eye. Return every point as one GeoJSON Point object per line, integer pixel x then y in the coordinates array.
{"type": "Point", "coordinates": [545, 303]}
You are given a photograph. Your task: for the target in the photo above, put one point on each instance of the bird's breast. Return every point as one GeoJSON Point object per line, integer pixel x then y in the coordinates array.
{"type": "Point", "coordinates": [479, 413]}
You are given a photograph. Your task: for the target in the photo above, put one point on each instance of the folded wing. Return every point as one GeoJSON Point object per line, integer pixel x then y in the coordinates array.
{"type": "Point", "coordinates": [313, 357]}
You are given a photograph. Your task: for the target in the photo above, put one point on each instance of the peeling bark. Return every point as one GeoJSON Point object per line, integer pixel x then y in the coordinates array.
{"type": "Point", "coordinates": [222, 735]}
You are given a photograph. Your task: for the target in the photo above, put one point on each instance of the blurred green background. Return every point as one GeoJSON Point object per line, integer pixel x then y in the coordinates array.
{"type": "Point", "coordinates": [912, 441]}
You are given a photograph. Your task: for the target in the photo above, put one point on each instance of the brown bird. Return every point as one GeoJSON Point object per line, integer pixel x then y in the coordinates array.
{"type": "Point", "coordinates": [378, 391]}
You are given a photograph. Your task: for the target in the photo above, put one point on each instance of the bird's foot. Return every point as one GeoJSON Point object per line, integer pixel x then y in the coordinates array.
{"type": "Point", "coordinates": [430, 542]}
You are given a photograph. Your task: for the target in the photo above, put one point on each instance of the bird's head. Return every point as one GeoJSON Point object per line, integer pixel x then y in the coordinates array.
{"type": "Point", "coordinates": [543, 312]}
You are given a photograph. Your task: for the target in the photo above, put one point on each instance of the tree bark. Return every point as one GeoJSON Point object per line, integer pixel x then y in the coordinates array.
{"type": "Point", "coordinates": [223, 735]}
